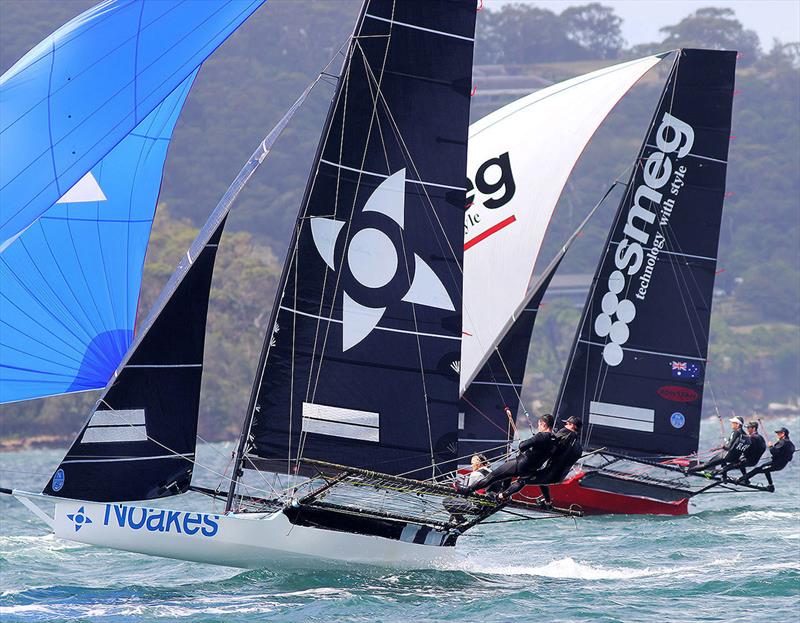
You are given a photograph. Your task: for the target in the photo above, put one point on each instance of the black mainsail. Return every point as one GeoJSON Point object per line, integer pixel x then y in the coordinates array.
{"type": "Point", "coordinates": [359, 366]}
{"type": "Point", "coordinates": [638, 362]}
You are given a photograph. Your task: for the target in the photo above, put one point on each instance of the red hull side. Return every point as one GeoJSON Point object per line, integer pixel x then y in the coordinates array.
{"type": "Point", "coordinates": [595, 502]}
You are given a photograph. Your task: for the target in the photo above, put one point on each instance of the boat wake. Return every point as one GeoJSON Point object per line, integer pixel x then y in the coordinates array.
{"type": "Point", "coordinates": [567, 568]}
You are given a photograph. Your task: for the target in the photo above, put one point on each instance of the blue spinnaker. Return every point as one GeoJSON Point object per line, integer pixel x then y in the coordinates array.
{"type": "Point", "coordinates": [69, 284]}
{"type": "Point", "coordinates": [71, 99]}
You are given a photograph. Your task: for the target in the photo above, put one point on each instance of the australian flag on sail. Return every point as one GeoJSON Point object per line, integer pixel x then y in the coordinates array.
{"type": "Point", "coordinates": [685, 370]}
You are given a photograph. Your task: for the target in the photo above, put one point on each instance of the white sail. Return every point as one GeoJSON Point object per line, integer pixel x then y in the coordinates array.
{"type": "Point", "coordinates": [519, 159]}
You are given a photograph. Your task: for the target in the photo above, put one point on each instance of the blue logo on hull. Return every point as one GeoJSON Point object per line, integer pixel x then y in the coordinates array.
{"type": "Point", "coordinates": [79, 519]}
{"type": "Point", "coordinates": [161, 520]}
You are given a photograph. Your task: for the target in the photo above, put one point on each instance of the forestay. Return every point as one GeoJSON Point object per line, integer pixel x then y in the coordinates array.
{"type": "Point", "coordinates": [360, 365]}
{"type": "Point", "coordinates": [487, 423]}
{"type": "Point", "coordinates": [140, 440]}
{"type": "Point", "coordinates": [638, 363]}
{"type": "Point", "coordinates": [520, 157]}
{"type": "Point", "coordinates": [484, 424]}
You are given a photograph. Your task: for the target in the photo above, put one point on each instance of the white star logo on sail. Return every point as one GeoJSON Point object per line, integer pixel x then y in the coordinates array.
{"type": "Point", "coordinates": [373, 261]}
{"type": "Point", "coordinates": [85, 190]}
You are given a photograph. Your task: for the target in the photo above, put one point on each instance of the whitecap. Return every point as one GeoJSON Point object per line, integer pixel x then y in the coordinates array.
{"type": "Point", "coordinates": [568, 568]}
{"type": "Point", "coordinates": [766, 515]}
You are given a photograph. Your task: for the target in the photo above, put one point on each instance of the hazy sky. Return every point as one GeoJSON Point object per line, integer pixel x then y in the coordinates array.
{"type": "Point", "coordinates": [643, 18]}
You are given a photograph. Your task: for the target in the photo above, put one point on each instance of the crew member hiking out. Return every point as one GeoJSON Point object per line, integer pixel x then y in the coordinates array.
{"type": "Point", "coordinates": [568, 450]}
{"type": "Point", "coordinates": [781, 455]}
{"type": "Point", "coordinates": [730, 452]}
{"type": "Point", "coordinates": [753, 453]}
{"type": "Point", "coordinates": [532, 454]}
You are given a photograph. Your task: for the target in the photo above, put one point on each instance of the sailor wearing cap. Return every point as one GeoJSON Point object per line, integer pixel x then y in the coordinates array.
{"type": "Point", "coordinates": [731, 451]}
{"type": "Point", "coordinates": [756, 449]}
{"type": "Point", "coordinates": [781, 455]}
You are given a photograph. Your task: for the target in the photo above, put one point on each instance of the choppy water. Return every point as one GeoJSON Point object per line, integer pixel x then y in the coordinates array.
{"type": "Point", "coordinates": [735, 558]}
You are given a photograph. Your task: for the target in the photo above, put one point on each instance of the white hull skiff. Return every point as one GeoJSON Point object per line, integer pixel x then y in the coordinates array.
{"type": "Point", "coordinates": [246, 540]}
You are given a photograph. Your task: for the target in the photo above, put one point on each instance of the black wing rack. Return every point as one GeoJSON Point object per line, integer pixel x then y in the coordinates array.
{"type": "Point", "coordinates": [361, 501]}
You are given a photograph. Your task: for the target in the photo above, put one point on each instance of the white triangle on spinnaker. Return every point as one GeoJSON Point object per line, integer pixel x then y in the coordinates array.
{"type": "Point", "coordinates": [390, 197]}
{"type": "Point", "coordinates": [426, 288]}
{"type": "Point", "coordinates": [325, 231]}
{"type": "Point", "coordinates": [87, 189]}
{"type": "Point", "coordinates": [358, 321]}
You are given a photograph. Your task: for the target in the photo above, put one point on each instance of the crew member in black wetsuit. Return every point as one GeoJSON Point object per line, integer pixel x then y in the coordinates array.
{"type": "Point", "coordinates": [756, 449]}
{"type": "Point", "coordinates": [781, 455]}
{"type": "Point", "coordinates": [533, 452]}
{"type": "Point", "coordinates": [730, 452]}
{"type": "Point", "coordinates": [567, 452]}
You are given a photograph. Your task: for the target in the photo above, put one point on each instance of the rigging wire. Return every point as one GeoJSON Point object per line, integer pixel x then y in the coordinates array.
{"type": "Point", "coordinates": [185, 457]}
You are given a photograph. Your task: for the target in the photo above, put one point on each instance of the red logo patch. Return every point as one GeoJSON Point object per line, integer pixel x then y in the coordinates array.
{"type": "Point", "coordinates": [677, 394]}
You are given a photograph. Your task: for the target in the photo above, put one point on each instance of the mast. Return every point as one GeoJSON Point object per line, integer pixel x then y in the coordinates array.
{"type": "Point", "coordinates": [241, 446]}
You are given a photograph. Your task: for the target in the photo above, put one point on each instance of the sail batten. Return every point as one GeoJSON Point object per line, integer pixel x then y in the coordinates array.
{"type": "Point", "coordinates": [491, 401]}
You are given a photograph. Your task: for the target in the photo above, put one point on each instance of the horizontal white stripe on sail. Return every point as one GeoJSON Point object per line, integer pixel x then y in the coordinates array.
{"type": "Point", "coordinates": [389, 329]}
{"type": "Point", "coordinates": [341, 422]}
{"type": "Point", "coordinates": [691, 155]}
{"type": "Point", "coordinates": [646, 352]}
{"type": "Point", "coordinates": [384, 175]}
{"type": "Point", "coordinates": [482, 440]}
{"type": "Point", "coordinates": [621, 416]}
{"type": "Point", "coordinates": [675, 253]}
{"type": "Point", "coordinates": [118, 417]}
{"type": "Point", "coordinates": [498, 384]}
{"type": "Point", "coordinates": [114, 434]}
{"type": "Point", "coordinates": [188, 457]}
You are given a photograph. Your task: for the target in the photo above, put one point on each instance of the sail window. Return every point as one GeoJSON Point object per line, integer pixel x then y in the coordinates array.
{"type": "Point", "coordinates": [116, 426]}
{"type": "Point", "coordinates": [340, 422]}
{"type": "Point", "coordinates": [621, 416]}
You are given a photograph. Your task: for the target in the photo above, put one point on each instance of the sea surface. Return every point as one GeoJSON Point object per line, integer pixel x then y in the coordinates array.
{"type": "Point", "coordinates": [736, 557]}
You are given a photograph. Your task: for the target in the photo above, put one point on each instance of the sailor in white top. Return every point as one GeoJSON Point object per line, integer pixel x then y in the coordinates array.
{"type": "Point", "coordinates": [480, 469]}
